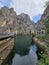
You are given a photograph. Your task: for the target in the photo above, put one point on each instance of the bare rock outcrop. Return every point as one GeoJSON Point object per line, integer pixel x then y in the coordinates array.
{"type": "Point", "coordinates": [11, 22]}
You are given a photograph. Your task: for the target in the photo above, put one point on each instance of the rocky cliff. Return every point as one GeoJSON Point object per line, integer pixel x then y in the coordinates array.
{"type": "Point", "coordinates": [40, 26]}
{"type": "Point", "coordinates": [11, 22]}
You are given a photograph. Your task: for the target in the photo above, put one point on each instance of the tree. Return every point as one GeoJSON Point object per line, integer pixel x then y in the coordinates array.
{"type": "Point", "coordinates": [44, 60]}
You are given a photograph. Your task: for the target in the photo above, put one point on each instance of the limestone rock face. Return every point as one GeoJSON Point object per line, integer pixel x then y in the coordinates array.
{"type": "Point", "coordinates": [39, 26]}
{"type": "Point", "coordinates": [25, 23]}
{"type": "Point", "coordinates": [10, 21]}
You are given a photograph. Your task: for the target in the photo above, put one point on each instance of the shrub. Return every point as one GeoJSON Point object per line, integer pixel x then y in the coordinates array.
{"type": "Point", "coordinates": [44, 60]}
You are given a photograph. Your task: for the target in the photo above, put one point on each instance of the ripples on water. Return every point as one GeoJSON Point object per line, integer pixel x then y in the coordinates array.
{"type": "Point", "coordinates": [30, 59]}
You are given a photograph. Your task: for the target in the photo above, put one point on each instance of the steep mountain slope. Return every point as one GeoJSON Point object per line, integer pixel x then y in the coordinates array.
{"type": "Point", "coordinates": [11, 22]}
{"type": "Point", "coordinates": [42, 27]}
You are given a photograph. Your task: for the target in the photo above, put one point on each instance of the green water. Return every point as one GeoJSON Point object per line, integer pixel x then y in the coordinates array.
{"type": "Point", "coordinates": [22, 52]}
{"type": "Point", "coordinates": [22, 44]}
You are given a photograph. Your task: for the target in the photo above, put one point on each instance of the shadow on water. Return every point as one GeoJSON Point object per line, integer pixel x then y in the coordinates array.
{"type": "Point", "coordinates": [23, 52]}
{"type": "Point", "coordinates": [22, 44]}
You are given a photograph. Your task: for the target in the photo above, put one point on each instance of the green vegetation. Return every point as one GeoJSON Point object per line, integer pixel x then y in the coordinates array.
{"type": "Point", "coordinates": [45, 37]}
{"type": "Point", "coordinates": [41, 37]}
{"type": "Point", "coordinates": [44, 60]}
{"type": "Point", "coordinates": [32, 34]}
{"type": "Point", "coordinates": [46, 23]}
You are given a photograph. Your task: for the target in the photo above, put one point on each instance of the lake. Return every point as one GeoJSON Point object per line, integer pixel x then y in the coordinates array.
{"type": "Point", "coordinates": [24, 52]}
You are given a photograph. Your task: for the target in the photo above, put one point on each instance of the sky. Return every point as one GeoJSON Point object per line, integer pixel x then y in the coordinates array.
{"type": "Point", "coordinates": [34, 8]}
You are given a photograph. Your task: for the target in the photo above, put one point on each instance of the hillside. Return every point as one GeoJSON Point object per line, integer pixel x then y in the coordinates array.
{"type": "Point", "coordinates": [11, 22]}
{"type": "Point", "coordinates": [42, 27]}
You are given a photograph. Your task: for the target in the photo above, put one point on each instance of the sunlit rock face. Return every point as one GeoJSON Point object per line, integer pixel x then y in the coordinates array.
{"type": "Point", "coordinates": [20, 23]}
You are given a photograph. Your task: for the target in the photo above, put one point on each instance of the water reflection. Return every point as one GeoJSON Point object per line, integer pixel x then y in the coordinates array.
{"type": "Point", "coordinates": [30, 59]}
{"type": "Point", "coordinates": [22, 44]}
{"type": "Point", "coordinates": [23, 53]}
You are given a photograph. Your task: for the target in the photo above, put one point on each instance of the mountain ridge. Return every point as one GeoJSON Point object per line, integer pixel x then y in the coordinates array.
{"type": "Point", "coordinates": [13, 22]}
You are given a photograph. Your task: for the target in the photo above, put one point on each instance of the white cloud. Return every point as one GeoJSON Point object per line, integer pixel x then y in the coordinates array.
{"type": "Point", "coordinates": [1, 5]}
{"type": "Point", "coordinates": [31, 7]}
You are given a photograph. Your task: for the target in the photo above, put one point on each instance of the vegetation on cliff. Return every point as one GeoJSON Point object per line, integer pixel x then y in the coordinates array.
{"type": "Point", "coordinates": [44, 60]}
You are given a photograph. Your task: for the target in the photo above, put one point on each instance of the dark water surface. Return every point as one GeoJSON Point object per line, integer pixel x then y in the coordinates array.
{"type": "Point", "coordinates": [24, 53]}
